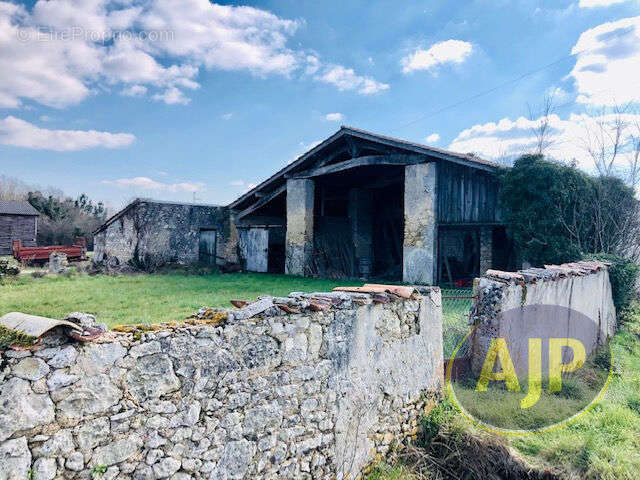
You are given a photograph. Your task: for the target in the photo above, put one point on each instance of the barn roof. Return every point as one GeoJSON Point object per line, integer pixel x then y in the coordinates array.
{"type": "Point", "coordinates": [12, 207]}
{"type": "Point", "coordinates": [304, 160]}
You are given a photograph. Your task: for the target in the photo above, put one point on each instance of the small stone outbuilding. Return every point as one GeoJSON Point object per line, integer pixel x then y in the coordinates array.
{"type": "Point", "coordinates": [18, 221]}
{"type": "Point", "coordinates": [164, 232]}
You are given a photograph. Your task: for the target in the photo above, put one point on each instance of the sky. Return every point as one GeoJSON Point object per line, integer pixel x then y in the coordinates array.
{"type": "Point", "coordinates": [191, 100]}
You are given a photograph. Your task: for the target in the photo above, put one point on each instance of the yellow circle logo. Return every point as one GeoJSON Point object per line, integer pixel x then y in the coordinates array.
{"type": "Point", "coordinates": [531, 370]}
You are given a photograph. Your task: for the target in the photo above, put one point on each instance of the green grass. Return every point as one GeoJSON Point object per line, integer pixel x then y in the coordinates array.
{"type": "Point", "coordinates": [131, 299]}
{"type": "Point", "coordinates": [386, 472]}
{"type": "Point", "coordinates": [604, 444]}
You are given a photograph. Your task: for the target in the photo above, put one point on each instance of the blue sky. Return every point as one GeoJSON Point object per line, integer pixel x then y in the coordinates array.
{"type": "Point", "coordinates": [221, 97]}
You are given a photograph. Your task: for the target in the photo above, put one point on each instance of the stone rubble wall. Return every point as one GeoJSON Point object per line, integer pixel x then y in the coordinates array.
{"type": "Point", "coordinates": [167, 232]}
{"type": "Point", "coordinates": [583, 287]}
{"type": "Point", "coordinates": [282, 395]}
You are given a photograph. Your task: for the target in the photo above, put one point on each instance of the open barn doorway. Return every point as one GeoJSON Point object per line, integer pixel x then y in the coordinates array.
{"type": "Point", "coordinates": [358, 223]}
{"type": "Point", "coordinates": [458, 255]}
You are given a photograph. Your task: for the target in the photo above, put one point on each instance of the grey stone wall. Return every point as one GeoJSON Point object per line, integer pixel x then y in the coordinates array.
{"type": "Point", "coordinates": [17, 227]}
{"type": "Point", "coordinates": [582, 287]}
{"type": "Point", "coordinates": [486, 249]}
{"type": "Point", "coordinates": [419, 249]}
{"type": "Point", "coordinates": [167, 232]}
{"type": "Point", "coordinates": [299, 396]}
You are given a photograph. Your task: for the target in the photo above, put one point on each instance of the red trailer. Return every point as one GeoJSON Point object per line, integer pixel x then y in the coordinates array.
{"type": "Point", "coordinates": [76, 251]}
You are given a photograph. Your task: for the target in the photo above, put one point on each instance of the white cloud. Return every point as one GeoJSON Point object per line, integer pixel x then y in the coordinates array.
{"type": "Point", "coordinates": [433, 138]}
{"type": "Point", "coordinates": [61, 51]}
{"type": "Point", "coordinates": [313, 64]}
{"type": "Point", "coordinates": [346, 79]}
{"type": "Point", "coordinates": [508, 138]}
{"type": "Point", "coordinates": [172, 96]}
{"type": "Point", "coordinates": [227, 116]}
{"type": "Point", "coordinates": [236, 183]}
{"type": "Point", "coordinates": [449, 51]}
{"type": "Point", "coordinates": [334, 117]}
{"type": "Point", "coordinates": [599, 3]}
{"type": "Point", "coordinates": [146, 183]}
{"type": "Point", "coordinates": [19, 133]}
{"type": "Point", "coordinates": [134, 91]}
{"type": "Point", "coordinates": [607, 62]}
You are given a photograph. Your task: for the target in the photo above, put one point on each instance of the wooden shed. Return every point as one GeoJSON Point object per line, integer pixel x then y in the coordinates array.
{"type": "Point", "coordinates": [18, 221]}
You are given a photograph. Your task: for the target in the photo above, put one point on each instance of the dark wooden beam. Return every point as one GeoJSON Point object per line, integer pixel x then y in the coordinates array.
{"type": "Point", "coordinates": [434, 152]}
{"type": "Point", "coordinates": [366, 161]}
{"type": "Point", "coordinates": [332, 156]}
{"type": "Point", "coordinates": [352, 146]}
{"type": "Point", "coordinates": [263, 201]}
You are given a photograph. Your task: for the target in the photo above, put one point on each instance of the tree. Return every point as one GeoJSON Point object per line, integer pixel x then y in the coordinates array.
{"type": "Point", "coordinates": [557, 213]}
{"type": "Point", "coordinates": [606, 136]}
{"type": "Point", "coordinates": [62, 219]}
{"type": "Point", "coordinates": [542, 129]}
{"type": "Point", "coordinates": [540, 202]}
{"type": "Point", "coordinates": [12, 189]}
{"type": "Point", "coordinates": [633, 159]}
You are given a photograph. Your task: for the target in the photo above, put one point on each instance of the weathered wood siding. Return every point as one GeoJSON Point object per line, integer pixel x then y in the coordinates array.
{"type": "Point", "coordinates": [466, 195]}
{"type": "Point", "coordinates": [254, 248]}
{"type": "Point", "coordinates": [17, 227]}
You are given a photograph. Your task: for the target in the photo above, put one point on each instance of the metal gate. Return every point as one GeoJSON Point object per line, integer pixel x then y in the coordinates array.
{"type": "Point", "coordinates": [456, 324]}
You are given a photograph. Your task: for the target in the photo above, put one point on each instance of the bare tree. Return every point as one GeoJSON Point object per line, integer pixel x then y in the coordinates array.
{"type": "Point", "coordinates": [633, 159]}
{"type": "Point", "coordinates": [542, 129]}
{"type": "Point", "coordinates": [605, 137]}
{"type": "Point", "coordinates": [12, 189]}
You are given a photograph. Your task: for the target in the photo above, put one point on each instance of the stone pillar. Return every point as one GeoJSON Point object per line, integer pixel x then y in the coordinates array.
{"type": "Point", "coordinates": [361, 219]}
{"type": "Point", "coordinates": [299, 241]}
{"type": "Point", "coordinates": [486, 249]}
{"type": "Point", "coordinates": [419, 249]}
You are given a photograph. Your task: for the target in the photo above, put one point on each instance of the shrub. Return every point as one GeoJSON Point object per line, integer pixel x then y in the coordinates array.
{"type": "Point", "coordinates": [623, 275]}
{"type": "Point", "coordinates": [8, 270]}
{"type": "Point", "coordinates": [556, 213]}
{"type": "Point", "coordinates": [539, 199]}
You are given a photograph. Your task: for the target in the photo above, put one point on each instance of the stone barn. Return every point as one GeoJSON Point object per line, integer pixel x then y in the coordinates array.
{"type": "Point", "coordinates": [365, 205]}
{"type": "Point", "coordinates": [158, 232]}
{"type": "Point", "coordinates": [18, 221]}
{"type": "Point", "coordinates": [356, 205]}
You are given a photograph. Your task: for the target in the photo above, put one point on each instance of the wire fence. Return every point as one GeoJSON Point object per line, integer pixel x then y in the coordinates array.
{"type": "Point", "coordinates": [456, 305]}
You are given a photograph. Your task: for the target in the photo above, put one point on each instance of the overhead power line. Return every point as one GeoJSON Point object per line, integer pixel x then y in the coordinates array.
{"type": "Point", "coordinates": [495, 88]}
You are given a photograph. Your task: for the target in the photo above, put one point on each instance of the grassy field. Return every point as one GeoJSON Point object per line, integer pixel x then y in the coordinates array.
{"type": "Point", "coordinates": [604, 444]}
{"type": "Point", "coordinates": [129, 299]}
{"type": "Point", "coordinates": [143, 298]}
